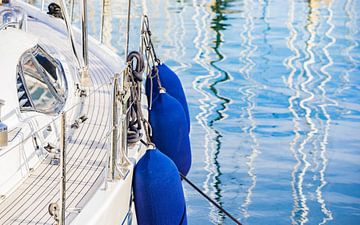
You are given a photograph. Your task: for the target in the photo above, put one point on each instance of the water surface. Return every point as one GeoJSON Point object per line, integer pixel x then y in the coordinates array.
{"type": "Point", "coordinates": [273, 90]}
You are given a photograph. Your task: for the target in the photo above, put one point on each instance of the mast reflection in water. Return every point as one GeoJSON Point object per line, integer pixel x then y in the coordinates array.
{"type": "Point", "coordinates": [273, 93]}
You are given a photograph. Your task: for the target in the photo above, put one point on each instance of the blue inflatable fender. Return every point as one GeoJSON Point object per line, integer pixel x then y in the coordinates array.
{"type": "Point", "coordinates": [171, 82]}
{"type": "Point", "coordinates": [158, 193]}
{"type": "Point", "coordinates": [169, 130]}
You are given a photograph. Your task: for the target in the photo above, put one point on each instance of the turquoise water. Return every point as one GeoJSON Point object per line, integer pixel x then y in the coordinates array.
{"type": "Point", "coordinates": [273, 90]}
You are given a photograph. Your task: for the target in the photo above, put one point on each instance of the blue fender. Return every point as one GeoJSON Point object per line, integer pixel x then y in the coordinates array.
{"type": "Point", "coordinates": [171, 82]}
{"type": "Point", "coordinates": [158, 193]}
{"type": "Point", "coordinates": [169, 130]}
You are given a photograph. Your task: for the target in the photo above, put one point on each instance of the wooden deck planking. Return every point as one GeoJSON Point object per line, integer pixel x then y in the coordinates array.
{"type": "Point", "coordinates": [85, 163]}
{"type": "Point", "coordinates": [50, 184]}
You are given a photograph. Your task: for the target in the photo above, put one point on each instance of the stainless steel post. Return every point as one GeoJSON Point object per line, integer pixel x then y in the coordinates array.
{"type": "Point", "coordinates": [42, 5]}
{"type": "Point", "coordinates": [127, 29]}
{"type": "Point", "coordinates": [62, 169]}
{"type": "Point", "coordinates": [70, 32]}
{"type": "Point", "coordinates": [124, 161]}
{"type": "Point", "coordinates": [102, 22]}
{"type": "Point", "coordinates": [72, 5]}
{"type": "Point", "coordinates": [115, 127]}
{"type": "Point", "coordinates": [84, 36]}
{"type": "Point", "coordinates": [141, 43]}
{"type": "Point", "coordinates": [84, 33]}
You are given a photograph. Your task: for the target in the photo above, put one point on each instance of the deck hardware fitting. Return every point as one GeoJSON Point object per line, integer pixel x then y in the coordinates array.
{"type": "Point", "coordinates": [119, 163]}
{"type": "Point", "coordinates": [79, 121]}
{"type": "Point", "coordinates": [53, 210]}
{"type": "Point", "coordinates": [82, 93]}
{"type": "Point", "coordinates": [54, 161]}
{"type": "Point", "coordinates": [74, 210]}
{"type": "Point", "coordinates": [75, 125]}
{"type": "Point", "coordinates": [49, 128]}
{"type": "Point", "coordinates": [53, 154]}
{"type": "Point", "coordinates": [49, 147]}
{"type": "Point", "coordinates": [115, 130]}
{"type": "Point", "coordinates": [35, 142]}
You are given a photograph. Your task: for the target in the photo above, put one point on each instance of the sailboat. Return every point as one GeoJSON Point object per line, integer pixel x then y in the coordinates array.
{"type": "Point", "coordinates": [75, 141]}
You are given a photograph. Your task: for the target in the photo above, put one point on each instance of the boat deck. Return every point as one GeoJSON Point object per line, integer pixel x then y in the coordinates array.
{"type": "Point", "coordinates": [86, 153]}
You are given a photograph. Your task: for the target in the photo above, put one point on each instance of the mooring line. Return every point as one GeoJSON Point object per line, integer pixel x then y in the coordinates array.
{"type": "Point", "coordinates": [209, 199]}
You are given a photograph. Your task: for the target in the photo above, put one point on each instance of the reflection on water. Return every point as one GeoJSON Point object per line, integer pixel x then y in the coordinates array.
{"type": "Point", "coordinates": [300, 213]}
{"type": "Point", "coordinates": [316, 130]}
{"type": "Point", "coordinates": [325, 128]}
{"type": "Point", "coordinates": [290, 82]}
{"type": "Point", "coordinates": [248, 91]}
{"type": "Point", "coordinates": [213, 105]}
{"type": "Point", "coordinates": [352, 30]}
{"type": "Point", "coordinates": [219, 107]}
{"type": "Point", "coordinates": [273, 92]}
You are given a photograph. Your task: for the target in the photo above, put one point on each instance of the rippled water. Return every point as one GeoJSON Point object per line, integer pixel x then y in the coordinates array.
{"type": "Point", "coordinates": [273, 88]}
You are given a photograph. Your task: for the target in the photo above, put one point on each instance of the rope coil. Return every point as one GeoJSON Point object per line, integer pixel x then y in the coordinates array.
{"type": "Point", "coordinates": [133, 75]}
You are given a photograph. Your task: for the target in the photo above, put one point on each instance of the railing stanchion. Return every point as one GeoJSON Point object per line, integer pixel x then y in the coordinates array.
{"type": "Point", "coordinates": [84, 34]}
{"type": "Point", "coordinates": [85, 79]}
{"type": "Point", "coordinates": [42, 5]}
{"type": "Point", "coordinates": [62, 169]}
{"type": "Point", "coordinates": [72, 5]}
{"type": "Point", "coordinates": [127, 30]}
{"type": "Point", "coordinates": [124, 161]}
{"type": "Point", "coordinates": [71, 36]}
{"type": "Point", "coordinates": [115, 127]}
{"type": "Point", "coordinates": [102, 24]}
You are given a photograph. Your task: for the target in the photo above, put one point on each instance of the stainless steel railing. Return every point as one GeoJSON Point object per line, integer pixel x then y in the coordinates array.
{"type": "Point", "coordinates": [118, 163]}
{"type": "Point", "coordinates": [84, 38]}
{"type": "Point", "coordinates": [71, 36]}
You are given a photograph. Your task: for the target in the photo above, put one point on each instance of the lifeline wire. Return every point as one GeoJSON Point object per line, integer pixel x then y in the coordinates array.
{"type": "Point", "coordinates": [210, 200]}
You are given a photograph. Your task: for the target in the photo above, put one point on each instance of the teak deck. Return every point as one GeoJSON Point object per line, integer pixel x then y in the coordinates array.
{"type": "Point", "coordinates": [86, 153]}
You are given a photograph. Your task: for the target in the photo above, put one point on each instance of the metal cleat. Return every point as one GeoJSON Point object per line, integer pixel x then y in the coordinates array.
{"type": "Point", "coordinates": [79, 121]}
{"type": "Point", "coordinates": [83, 118]}
{"type": "Point", "coordinates": [75, 125]}
{"type": "Point", "coordinates": [49, 147]}
{"type": "Point", "coordinates": [53, 153]}
{"type": "Point", "coordinates": [83, 93]}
